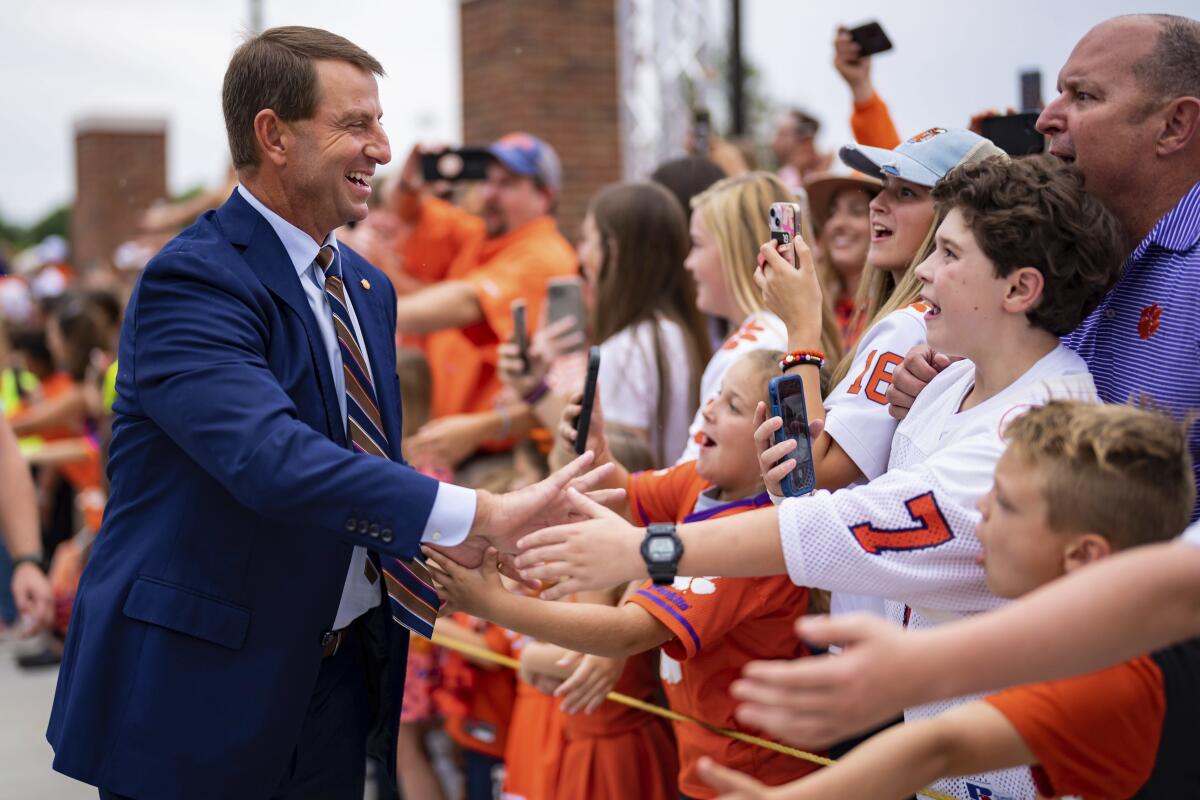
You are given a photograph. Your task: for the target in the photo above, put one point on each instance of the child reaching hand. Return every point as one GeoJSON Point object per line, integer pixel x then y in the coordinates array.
{"type": "Point", "coordinates": [707, 627]}
{"type": "Point", "coordinates": [1077, 483]}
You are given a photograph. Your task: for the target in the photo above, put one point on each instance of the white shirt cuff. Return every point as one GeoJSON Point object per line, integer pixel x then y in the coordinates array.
{"type": "Point", "coordinates": [451, 516]}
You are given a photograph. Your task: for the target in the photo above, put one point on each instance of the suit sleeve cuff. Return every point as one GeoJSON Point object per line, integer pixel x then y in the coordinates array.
{"type": "Point", "coordinates": [451, 516]}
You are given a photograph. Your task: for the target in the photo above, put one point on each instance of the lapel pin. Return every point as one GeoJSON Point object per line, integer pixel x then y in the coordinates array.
{"type": "Point", "coordinates": [366, 284]}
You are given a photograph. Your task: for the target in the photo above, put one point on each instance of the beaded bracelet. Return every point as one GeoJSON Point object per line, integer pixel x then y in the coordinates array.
{"type": "Point", "coordinates": [798, 357]}
{"type": "Point", "coordinates": [536, 393]}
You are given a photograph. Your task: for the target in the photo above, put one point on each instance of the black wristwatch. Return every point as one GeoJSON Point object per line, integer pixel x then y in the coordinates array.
{"type": "Point", "coordinates": [31, 558]}
{"type": "Point", "coordinates": [661, 550]}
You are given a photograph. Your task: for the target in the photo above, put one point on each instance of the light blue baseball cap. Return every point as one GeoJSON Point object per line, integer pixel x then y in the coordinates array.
{"type": "Point", "coordinates": [924, 159]}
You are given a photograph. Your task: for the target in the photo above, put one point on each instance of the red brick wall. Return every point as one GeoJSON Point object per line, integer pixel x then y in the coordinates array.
{"type": "Point", "coordinates": [547, 67]}
{"type": "Point", "coordinates": [120, 169]}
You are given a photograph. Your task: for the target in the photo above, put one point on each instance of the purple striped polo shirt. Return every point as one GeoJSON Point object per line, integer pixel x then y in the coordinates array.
{"type": "Point", "coordinates": [1144, 338]}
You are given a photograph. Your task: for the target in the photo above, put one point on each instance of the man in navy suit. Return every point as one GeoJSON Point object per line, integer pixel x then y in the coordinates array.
{"type": "Point", "coordinates": [231, 636]}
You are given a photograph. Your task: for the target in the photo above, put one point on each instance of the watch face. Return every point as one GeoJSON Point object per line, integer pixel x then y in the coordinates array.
{"type": "Point", "coordinates": [660, 549]}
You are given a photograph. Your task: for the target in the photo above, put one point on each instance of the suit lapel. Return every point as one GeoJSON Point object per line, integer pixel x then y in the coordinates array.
{"type": "Point", "coordinates": [267, 258]}
{"type": "Point", "coordinates": [376, 340]}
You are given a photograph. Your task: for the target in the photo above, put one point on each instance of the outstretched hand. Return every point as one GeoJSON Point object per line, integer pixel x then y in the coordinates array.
{"type": "Point", "coordinates": [468, 589]}
{"type": "Point", "coordinates": [819, 700]}
{"type": "Point", "coordinates": [598, 552]}
{"type": "Point", "coordinates": [590, 682]}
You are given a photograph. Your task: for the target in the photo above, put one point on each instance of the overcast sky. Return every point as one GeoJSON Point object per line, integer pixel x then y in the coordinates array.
{"type": "Point", "coordinates": [66, 59]}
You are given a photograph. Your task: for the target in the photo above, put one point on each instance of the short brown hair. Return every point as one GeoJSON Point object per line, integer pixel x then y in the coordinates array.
{"type": "Point", "coordinates": [1120, 471]}
{"type": "Point", "coordinates": [1172, 69]}
{"type": "Point", "coordinates": [1034, 212]}
{"type": "Point", "coordinates": [275, 70]}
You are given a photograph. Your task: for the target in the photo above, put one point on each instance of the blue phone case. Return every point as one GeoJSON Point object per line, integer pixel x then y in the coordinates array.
{"type": "Point", "coordinates": [803, 479]}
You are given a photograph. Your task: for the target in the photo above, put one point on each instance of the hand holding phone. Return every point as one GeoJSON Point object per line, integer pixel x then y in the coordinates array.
{"type": "Point", "coordinates": [584, 421]}
{"type": "Point", "coordinates": [870, 39]}
{"type": "Point", "coordinates": [784, 221]}
{"type": "Point", "coordinates": [564, 298]}
{"type": "Point", "coordinates": [787, 402]}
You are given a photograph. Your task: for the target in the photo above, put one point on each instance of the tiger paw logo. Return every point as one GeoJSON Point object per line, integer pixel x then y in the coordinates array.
{"type": "Point", "coordinates": [695, 585]}
{"type": "Point", "coordinates": [1149, 320]}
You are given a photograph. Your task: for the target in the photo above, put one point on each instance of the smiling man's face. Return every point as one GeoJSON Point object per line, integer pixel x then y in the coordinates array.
{"type": "Point", "coordinates": [338, 149]}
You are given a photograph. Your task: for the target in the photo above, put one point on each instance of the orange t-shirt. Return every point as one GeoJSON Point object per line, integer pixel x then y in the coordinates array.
{"type": "Point", "coordinates": [872, 124]}
{"type": "Point", "coordinates": [535, 741]}
{"type": "Point", "coordinates": [515, 265]}
{"type": "Point", "coordinates": [617, 752]}
{"type": "Point", "coordinates": [719, 625]}
{"type": "Point", "coordinates": [85, 473]}
{"type": "Point", "coordinates": [1095, 735]}
{"type": "Point", "coordinates": [477, 703]}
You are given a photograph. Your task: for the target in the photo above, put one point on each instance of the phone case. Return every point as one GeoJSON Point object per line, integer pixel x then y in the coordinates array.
{"type": "Point", "coordinates": [870, 39]}
{"type": "Point", "coordinates": [584, 422]}
{"type": "Point", "coordinates": [784, 221]}
{"type": "Point", "coordinates": [521, 332]}
{"type": "Point", "coordinates": [801, 480]}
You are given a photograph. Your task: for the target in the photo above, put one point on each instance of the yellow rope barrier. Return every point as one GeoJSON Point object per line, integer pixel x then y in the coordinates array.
{"type": "Point", "coordinates": [484, 654]}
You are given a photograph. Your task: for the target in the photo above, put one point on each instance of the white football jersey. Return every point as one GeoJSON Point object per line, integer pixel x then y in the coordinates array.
{"type": "Point", "coordinates": [762, 330]}
{"type": "Point", "coordinates": [856, 413]}
{"type": "Point", "coordinates": [910, 534]}
{"type": "Point", "coordinates": [1192, 534]}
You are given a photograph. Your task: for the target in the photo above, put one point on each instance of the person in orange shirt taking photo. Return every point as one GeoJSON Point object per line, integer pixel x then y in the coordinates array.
{"type": "Point", "coordinates": [484, 263]}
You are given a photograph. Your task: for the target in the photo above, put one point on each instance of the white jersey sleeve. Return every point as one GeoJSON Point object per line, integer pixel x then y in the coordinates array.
{"type": "Point", "coordinates": [908, 535]}
{"type": "Point", "coordinates": [762, 330]}
{"type": "Point", "coordinates": [1191, 535]}
{"type": "Point", "coordinates": [856, 412]}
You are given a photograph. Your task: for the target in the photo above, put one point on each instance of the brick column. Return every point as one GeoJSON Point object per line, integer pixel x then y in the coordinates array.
{"type": "Point", "coordinates": [547, 67]}
{"type": "Point", "coordinates": [120, 169]}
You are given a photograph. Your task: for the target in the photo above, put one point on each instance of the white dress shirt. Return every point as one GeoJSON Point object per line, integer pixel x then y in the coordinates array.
{"type": "Point", "coordinates": [453, 507]}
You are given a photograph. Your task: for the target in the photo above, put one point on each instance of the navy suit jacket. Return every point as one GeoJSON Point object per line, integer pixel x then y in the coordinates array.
{"type": "Point", "coordinates": [235, 502]}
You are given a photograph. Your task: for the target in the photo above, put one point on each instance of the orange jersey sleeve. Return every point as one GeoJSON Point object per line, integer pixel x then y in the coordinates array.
{"type": "Point", "coordinates": [665, 495]}
{"type": "Point", "coordinates": [872, 124]}
{"type": "Point", "coordinates": [440, 234]}
{"type": "Point", "coordinates": [1095, 735]}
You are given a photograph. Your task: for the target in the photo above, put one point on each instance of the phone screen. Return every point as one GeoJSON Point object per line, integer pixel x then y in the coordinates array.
{"type": "Point", "coordinates": [787, 400]}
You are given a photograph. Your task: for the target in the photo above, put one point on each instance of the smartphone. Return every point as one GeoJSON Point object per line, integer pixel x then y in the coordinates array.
{"type": "Point", "coordinates": [584, 421]}
{"type": "Point", "coordinates": [1015, 134]}
{"type": "Point", "coordinates": [564, 298]}
{"type": "Point", "coordinates": [461, 164]}
{"type": "Point", "coordinates": [787, 402]}
{"type": "Point", "coordinates": [784, 221]}
{"type": "Point", "coordinates": [521, 333]}
{"type": "Point", "coordinates": [701, 130]}
{"type": "Point", "coordinates": [870, 39]}
{"type": "Point", "coordinates": [1031, 90]}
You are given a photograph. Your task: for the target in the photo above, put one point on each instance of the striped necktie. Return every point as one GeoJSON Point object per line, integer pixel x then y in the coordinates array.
{"type": "Point", "coordinates": [414, 602]}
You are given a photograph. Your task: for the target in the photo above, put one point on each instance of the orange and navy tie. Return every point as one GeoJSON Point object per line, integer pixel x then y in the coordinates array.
{"type": "Point", "coordinates": [413, 599]}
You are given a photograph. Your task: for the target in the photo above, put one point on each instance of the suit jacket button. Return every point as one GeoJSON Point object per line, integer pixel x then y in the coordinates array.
{"type": "Point", "coordinates": [326, 638]}
{"type": "Point", "coordinates": [374, 531]}
{"type": "Point", "coordinates": [351, 524]}
{"type": "Point", "coordinates": [363, 526]}
{"type": "Point", "coordinates": [386, 534]}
